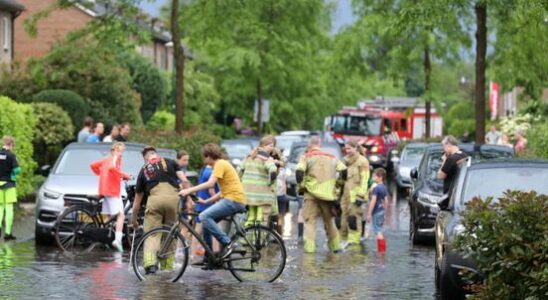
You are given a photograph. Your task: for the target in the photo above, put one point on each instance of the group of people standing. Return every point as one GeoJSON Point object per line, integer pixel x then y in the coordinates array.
{"type": "Point", "coordinates": [94, 132]}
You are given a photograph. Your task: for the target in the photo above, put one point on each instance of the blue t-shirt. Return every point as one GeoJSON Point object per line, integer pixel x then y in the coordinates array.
{"type": "Point", "coordinates": [381, 192]}
{"type": "Point", "coordinates": [204, 194]}
{"type": "Point", "coordinates": [93, 138]}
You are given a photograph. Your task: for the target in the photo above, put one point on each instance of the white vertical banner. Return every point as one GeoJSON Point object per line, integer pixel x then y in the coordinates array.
{"type": "Point", "coordinates": [265, 116]}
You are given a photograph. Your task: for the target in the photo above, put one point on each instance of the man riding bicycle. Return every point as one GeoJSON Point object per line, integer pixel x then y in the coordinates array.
{"type": "Point", "coordinates": [231, 195]}
{"type": "Point", "coordinates": [158, 179]}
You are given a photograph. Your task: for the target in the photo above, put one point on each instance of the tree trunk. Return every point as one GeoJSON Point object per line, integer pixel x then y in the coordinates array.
{"type": "Point", "coordinates": [481, 49]}
{"type": "Point", "coordinates": [179, 67]}
{"type": "Point", "coordinates": [259, 107]}
{"type": "Point", "coordinates": [427, 71]}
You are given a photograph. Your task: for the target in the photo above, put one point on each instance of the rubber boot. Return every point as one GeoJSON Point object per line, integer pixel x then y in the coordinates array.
{"type": "Point", "coordinates": [363, 228]}
{"type": "Point", "coordinates": [381, 245]}
{"type": "Point", "coordinates": [300, 231]}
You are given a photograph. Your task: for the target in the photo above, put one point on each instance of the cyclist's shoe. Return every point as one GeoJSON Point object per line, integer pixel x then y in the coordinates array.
{"type": "Point", "coordinates": [118, 246]}
{"type": "Point", "coordinates": [151, 270]}
{"type": "Point", "coordinates": [9, 237]}
{"type": "Point", "coordinates": [227, 250]}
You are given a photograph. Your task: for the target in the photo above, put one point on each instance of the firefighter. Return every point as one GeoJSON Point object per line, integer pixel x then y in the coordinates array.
{"type": "Point", "coordinates": [317, 173]}
{"type": "Point", "coordinates": [354, 194]}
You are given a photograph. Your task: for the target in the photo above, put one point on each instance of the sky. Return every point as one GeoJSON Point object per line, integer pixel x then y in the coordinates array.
{"type": "Point", "coordinates": [342, 15]}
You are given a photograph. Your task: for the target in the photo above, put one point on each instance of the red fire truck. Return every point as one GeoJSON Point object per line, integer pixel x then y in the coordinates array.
{"type": "Point", "coordinates": [379, 125]}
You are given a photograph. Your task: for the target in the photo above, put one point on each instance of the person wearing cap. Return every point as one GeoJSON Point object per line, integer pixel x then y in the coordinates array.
{"type": "Point", "coordinates": [110, 180]}
{"type": "Point", "coordinates": [159, 180]}
{"type": "Point", "coordinates": [9, 168]}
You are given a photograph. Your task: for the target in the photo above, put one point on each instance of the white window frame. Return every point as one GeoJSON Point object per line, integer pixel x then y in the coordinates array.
{"type": "Point", "coordinates": [7, 35]}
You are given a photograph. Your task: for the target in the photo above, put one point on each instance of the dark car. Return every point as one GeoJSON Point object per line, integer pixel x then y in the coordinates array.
{"type": "Point", "coordinates": [237, 150]}
{"type": "Point", "coordinates": [71, 180]}
{"type": "Point", "coordinates": [428, 189]}
{"type": "Point", "coordinates": [297, 150]}
{"type": "Point", "coordinates": [483, 179]}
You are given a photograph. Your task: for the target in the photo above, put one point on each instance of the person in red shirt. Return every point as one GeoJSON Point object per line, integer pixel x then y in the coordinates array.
{"type": "Point", "coordinates": [110, 179]}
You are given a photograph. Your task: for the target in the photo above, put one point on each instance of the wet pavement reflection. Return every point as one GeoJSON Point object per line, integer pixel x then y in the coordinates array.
{"type": "Point", "coordinates": [403, 272]}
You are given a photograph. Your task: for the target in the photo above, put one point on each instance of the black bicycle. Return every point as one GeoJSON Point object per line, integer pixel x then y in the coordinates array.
{"type": "Point", "coordinates": [259, 253]}
{"type": "Point", "coordinates": [81, 226]}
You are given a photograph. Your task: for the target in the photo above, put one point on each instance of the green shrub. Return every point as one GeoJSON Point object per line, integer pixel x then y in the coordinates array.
{"type": "Point", "coordinates": [18, 121]}
{"type": "Point", "coordinates": [537, 141]}
{"type": "Point", "coordinates": [192, 142]}
{"type": "Point", "coordinates": [161, 120]}
{"type": "Point", "coordinates": [53, 129]}
{"type": "Point", "coordinates": [148, 82]}
{"type": "Point", "coordinates": [508, 240]}
{"type": "Point", "coordinates": [69, 101]}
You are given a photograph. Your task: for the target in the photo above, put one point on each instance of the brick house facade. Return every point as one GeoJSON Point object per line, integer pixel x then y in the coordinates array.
{"type": "Point", "coordinates": [59, 23]}
{"type": "Point", "coordinates": [9, 11]}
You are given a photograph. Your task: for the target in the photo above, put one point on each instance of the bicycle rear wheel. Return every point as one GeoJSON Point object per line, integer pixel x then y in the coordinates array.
{"type": "Point", "coordinates": [156, 256]}
{"type": "Point", "coordinates": [72, 228]}
{"type": "Point", "coordinates": [259, 256]}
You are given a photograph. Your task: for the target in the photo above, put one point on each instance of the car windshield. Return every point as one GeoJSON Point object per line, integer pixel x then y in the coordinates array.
{"type": "Point", "coordinates": [357, 125]}
{"type": "Point", "coordinates": [412, 154]}
{"type": "Point", "coordinates": [494, 182]}
{"type": "Point", "coordinates": [285, 142]}
{"type": "Point", "coordinates": [298, 152]}
{"type": "Point", "coordinates": [237, 150]}
{"type": "Point", "coordinates": [78, 161]}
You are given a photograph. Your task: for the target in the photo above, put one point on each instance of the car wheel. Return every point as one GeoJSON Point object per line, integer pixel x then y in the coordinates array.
{"type": "Point", "coordinates": [446, 288]}
{"type": "Point", "coordinates": [413, 235]}
{"type": "Point", "coordinates": [41, 238]}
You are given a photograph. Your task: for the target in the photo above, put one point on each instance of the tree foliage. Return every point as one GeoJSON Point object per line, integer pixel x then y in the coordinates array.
{"type": "Point", "coordinates": [18, 121]}
{"type": "Point", "coordinates": [53, 129]}
{"type": "Point", "coordinates": [69, 101]}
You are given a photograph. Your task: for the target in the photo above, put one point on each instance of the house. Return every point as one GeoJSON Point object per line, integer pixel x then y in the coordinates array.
{"type": "Point", "coordinates": [9, 11]}
{"type": "Point", "coordinates": [60, 22]}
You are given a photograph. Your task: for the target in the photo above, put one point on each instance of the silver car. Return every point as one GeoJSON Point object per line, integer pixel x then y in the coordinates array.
{"type": "Point", "coordinates": [410, 158]}
{"type": "Point", "coordinates": [71, 180]}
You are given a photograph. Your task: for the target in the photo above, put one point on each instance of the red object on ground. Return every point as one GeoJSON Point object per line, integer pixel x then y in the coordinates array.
{"type": "Point", "coordinates": [381, 245]}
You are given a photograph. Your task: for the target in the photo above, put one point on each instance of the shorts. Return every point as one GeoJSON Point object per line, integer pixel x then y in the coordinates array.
{"type": "Point", "coordinates": [8, 196]}
{"type": "Point", "coordinates": [112, 205]}
{"type": "Point", "coordinates": [377, 222]}
{"type": "Point", "coordinates": [283, 205]}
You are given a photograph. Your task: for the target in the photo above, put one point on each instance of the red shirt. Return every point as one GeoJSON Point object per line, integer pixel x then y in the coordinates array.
{"type": "Point", "coordinates": [110, 175]}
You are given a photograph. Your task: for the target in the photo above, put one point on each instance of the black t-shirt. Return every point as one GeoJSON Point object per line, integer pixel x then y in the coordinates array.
{"type": "Point", "coordinates": [120, 138]}
{"type": "Point", "coordinates": [8, 162]}
{"type": "Point", "coordinates": [450, 168]}
{"type": "Point", "coordinates": [161, 170]}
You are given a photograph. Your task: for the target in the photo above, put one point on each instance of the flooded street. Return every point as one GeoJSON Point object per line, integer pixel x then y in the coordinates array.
{"type": "Point", "coordinates": [404, 272]}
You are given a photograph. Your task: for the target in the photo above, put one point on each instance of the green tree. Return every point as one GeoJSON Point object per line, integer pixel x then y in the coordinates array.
{"type": "Point", "coordinates": [53, 129]}
{"type": "Point", "coordinates": [72, 103]}
{"type": "Point", "coordinates": [18, 120]}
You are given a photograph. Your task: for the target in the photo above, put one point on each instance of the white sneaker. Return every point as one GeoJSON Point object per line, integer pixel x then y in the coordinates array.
{"type": "Point", "coordinates": [118, 246]}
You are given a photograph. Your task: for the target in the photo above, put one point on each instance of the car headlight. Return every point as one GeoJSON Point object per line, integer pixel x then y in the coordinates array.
{"type": "Point", "coordinates": [50, 194]}
{"type": "Point", "coordinates": [375, 149]}
{"type": "Point", "coordinates": [405, 171]}
{"type": "Point", "coordinates": [236, 162]}
{"type": "Point", "coordinates": [374, 158]}
{"type": "Point", "coordinates": [288, 172]}
{"type": "Point", "coordinates": [428, 200]}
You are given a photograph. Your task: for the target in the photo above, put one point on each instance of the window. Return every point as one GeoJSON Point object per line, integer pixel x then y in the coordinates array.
{"type": "Point", "coordinates": [387, 126]}
{"type": "Point", "coordinates": [403, 125]}
{"type": "Point", "coordinates": [7, 35]}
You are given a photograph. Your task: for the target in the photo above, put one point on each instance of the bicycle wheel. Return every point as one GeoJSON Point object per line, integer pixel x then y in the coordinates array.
{"type": "Point", "coordinates": [259, 256]}
{"type": "Point", "coordinates": [156, 256]}
{"type": "Point", "coordinates": [73, 228]}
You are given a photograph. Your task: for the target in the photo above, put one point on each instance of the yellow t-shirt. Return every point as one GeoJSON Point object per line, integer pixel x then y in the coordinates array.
{"type": "Point", "coordinates": [229, 182]}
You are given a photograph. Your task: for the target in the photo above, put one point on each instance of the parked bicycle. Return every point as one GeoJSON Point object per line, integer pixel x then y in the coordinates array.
{"type": "Point", "coordinates": [81, 226]}
{"type": "Point", "coordinates": [259, 254]}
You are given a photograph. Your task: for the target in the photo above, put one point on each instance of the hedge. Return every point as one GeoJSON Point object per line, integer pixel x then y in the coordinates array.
{"type": "Point", "coordinates": [53, 129]}
{"type": "Point", "coordinates": [18, 120]}
{"type": "Point", "coordinates": [71, 102]}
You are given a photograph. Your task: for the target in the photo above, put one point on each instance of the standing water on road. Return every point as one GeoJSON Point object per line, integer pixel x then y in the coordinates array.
{"type": "Point", "coordinates": [403, 272]}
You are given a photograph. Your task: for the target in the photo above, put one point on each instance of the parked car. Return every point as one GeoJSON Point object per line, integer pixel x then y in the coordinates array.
{"type": "Point", "coordinates": [71, 180]}
{"type": "Point", "coordinates": [297, 151]}
{"type": "Point", "coordinates": [409, 159]}
{"type": "Point", "coordinates": [483, 179]}
{"type": "Point", "coordinates": [237, 150]}
{"type": "Point", "coordinates": [284, 143]}
{"type": "Point", "coordinates": [428, 189]}
{"type": "Point", "coordinates": [302, 133]}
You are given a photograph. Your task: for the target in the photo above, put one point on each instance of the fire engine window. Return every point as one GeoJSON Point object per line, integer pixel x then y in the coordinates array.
{"type": "Point", "coordinates": [403, 126]}
{"type": "Point", "coordinates": [387, 126]}
{"type": "Point", "coordinates": [397, 125]}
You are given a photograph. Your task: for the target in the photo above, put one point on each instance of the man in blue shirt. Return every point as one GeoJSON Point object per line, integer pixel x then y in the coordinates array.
{"type": "Point", "coordinates": [95, 137]}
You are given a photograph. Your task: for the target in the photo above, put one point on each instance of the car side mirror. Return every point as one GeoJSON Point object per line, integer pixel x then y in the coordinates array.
{"type": "Point", "coordinates": [44, 170]}
{"type": "Point", "coordinates": [414, 174]}
{"type": "Point", "coordinates": [443, 203]}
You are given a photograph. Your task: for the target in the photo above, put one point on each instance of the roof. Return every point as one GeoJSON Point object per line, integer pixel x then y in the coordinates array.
{"type": "Point", "coordinates": [417, 145]}
{"type": "Point", "coordinates": [133, 146]}
{"type": "Point", "coordinates": [473, 147]}
{"type": "Point", "coordinates": [11, 6]}
{"type": "Point", "coordinates": [508, 163]}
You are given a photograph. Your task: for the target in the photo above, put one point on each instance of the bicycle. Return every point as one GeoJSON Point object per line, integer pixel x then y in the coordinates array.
{"type": "Point", "coordinates": [81, 226]}
{"type": "Point", "coordinates": [259, 256]}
